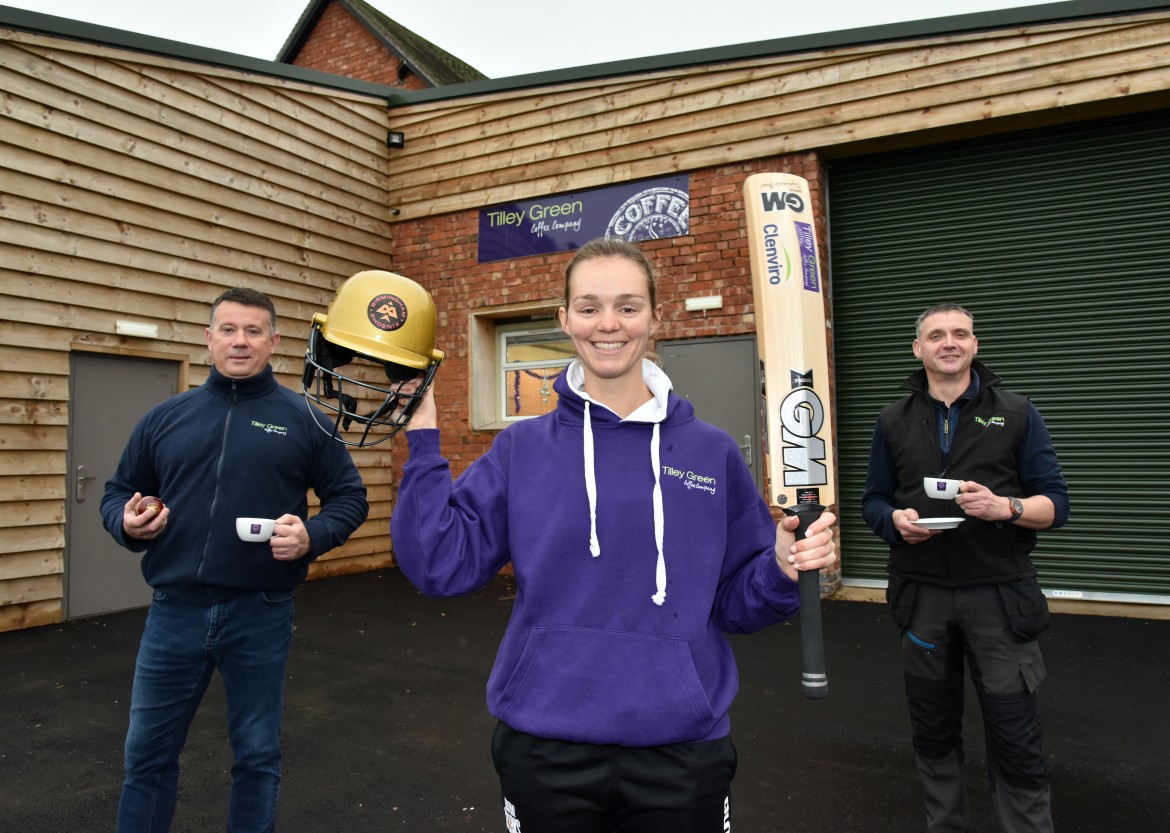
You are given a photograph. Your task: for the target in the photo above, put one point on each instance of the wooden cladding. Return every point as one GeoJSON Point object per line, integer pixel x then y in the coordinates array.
{"type": "Point", "coordinates": [140, 187]}
{"type": "Point", "coordinates": [467, 153]}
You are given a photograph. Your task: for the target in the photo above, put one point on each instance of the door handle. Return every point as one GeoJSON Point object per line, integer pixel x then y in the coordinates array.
{"type": "Point", "coordinates": [79, 489]}
{"type": "Point", "coordinates": [746, 448]}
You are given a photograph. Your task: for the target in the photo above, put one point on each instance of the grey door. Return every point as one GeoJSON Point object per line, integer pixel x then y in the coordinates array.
{"type": "Point", "coordinates": [109, 394]}
{"type": "Point", "coordinates": [721, 378]}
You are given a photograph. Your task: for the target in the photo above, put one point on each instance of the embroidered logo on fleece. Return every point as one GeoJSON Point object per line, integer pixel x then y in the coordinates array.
{"type": "Point", "coordinates": [691, 479]}
{"type": "Point", "coordinates": [994, 422]}
{"type": "Point", "coordinates": [270, 428]}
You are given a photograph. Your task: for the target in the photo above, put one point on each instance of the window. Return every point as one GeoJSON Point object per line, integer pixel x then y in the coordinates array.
{"type": "Point", "coordinates": [532, 359]}
{"type": "Point", "coordinates": [515, 354]}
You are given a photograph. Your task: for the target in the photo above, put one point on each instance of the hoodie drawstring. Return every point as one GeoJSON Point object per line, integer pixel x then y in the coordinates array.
{"type": "Point", "coordinates": [660, 569]}
{"type": "Point", "coordinates": [591, 486]}
{"type": "Point", "coordinates": [659, 523]}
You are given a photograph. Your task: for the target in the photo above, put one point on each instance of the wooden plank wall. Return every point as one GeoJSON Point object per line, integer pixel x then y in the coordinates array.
{"type": "Point", "coordinates": [134, 186]}
{"type": "Point", "coordinates": [465, 153]}
{"type": "Point", "coordinates": [139, 186]}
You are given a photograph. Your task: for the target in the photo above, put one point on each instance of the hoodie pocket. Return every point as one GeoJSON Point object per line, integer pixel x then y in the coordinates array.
{"type": "Point", "coordinates": [599, 686]}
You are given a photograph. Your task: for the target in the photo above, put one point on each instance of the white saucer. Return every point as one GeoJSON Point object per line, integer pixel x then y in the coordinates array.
{"type": "Point", "coordinates": [939, 523]}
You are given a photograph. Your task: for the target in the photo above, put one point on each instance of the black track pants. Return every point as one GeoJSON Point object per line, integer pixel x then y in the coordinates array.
{"type": "Point", "coordinates": [552, 786]}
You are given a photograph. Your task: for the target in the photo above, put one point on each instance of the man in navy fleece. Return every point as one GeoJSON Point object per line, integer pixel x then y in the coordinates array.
{"type": "Point", "coordinates": [238, 445]}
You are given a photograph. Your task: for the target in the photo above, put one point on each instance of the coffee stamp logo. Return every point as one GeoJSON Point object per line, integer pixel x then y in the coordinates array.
{"type": "Point", "coordinates": [387, 312]}
{"type": "Point", "coordinates": [651, 214]}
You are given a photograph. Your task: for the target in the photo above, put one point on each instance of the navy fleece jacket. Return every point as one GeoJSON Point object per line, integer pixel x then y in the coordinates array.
{"type": "Point", "coordinates": [232, 448]}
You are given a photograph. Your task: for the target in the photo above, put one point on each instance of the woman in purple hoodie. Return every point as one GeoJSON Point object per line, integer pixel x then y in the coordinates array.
{"type": "Point", "coordinates": [638, 538]}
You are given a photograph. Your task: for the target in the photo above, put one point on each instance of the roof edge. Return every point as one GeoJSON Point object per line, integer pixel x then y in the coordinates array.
{"type": "Point", "coordinates": [62, 27]}
{"type": "Point", "coordinates": [300, 32]}
{"type": "Point", "coordinates": [52, 26]}
{"type": "Point", "coordinates": [884, 33]}
{"type": "Point", "coordinates": [383, 28]}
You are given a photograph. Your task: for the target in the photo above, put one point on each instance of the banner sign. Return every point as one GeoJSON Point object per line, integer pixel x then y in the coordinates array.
{"type": "Point", "coordinates": [644, 210]}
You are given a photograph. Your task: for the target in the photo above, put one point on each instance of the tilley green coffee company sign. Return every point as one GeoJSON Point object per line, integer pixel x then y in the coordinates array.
{"type": "Point", "coordinates": [644, 210]}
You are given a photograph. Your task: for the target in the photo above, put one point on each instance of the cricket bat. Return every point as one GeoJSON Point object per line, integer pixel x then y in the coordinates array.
{"type": "Point", "coordinates": [788, 290]}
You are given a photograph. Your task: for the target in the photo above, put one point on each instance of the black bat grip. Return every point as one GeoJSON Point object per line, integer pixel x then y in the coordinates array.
{"type": "Point", "coordinates": [812, 644]}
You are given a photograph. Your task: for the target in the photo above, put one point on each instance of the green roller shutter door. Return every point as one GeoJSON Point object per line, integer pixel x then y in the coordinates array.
{"type": "Point", "coordinates": [1059, 242]}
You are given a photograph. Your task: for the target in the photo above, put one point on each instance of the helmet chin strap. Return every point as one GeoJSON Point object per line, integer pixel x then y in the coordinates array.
{"type": "Point", "coordinates": [350, 415]}
{"type": "Point", "coordinates": [346, 403]}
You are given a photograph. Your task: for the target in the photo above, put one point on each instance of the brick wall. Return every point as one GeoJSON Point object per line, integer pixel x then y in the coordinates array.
{"type": "Point", "coordinates": [440, 253]}
{"type": "Point", "coordinates": [343, 46]}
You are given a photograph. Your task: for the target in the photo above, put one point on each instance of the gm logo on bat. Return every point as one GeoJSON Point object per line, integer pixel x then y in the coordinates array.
{"type": "Point", "coordinates": [802, 416]}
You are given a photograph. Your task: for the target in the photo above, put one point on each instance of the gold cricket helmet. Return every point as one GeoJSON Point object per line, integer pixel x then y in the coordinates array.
{"type": "Point", "coordinates": [379, 318]}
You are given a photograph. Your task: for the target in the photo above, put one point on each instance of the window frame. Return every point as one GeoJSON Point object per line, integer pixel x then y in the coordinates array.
{"type": "Point", "coordinates": [514, 330]}
{"type": "Point", "coordinates": [485, 357]}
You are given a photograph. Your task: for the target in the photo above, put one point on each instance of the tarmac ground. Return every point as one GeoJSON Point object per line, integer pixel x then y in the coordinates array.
{"type": "Point", "coordinates": [386, 726]}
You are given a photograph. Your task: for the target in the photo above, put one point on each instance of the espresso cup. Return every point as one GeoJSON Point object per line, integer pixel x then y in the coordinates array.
{"type": "Point", "coordinates": [940, 487]}
{"type": "Point", "coordinates": [255, 529]}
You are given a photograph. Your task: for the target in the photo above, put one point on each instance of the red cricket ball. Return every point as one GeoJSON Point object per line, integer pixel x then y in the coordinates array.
{"type": "Point", "coordinates": [153, 505]}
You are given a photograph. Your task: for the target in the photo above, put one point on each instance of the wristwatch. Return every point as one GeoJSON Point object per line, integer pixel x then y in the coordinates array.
{"type": "Point", "coordinates": [1017, 508]}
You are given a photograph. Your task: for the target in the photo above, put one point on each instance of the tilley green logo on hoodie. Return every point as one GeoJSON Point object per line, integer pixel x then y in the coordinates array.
{"type": "Point", "coordinates": [690, 479]}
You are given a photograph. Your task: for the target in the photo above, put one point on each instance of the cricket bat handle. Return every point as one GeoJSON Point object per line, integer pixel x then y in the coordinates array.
{"type": "Point", "coordinates": [812, 645]}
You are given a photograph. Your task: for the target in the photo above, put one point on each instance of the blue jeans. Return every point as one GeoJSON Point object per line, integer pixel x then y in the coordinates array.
{"type": "Point", "coordinates": [247, 638]}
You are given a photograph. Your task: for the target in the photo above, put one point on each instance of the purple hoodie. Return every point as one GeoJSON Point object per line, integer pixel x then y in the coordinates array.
{"type": "Point", "coordinates": [635, 544]}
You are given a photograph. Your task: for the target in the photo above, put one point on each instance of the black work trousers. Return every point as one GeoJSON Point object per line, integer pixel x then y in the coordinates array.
{"type": "Point", "coordinates": [950, 627]}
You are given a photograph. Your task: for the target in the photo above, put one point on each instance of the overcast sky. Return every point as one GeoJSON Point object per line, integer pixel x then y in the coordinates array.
{"type": "Point", "coordinates": [502, 38]}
